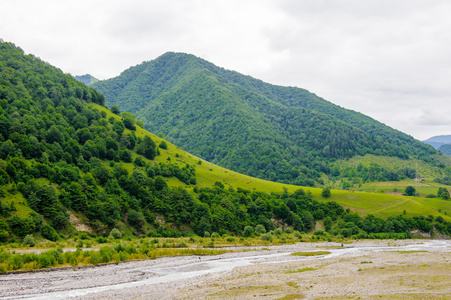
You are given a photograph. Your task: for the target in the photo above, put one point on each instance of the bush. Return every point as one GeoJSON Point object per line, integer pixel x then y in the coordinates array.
{"type": "Point", "coordinates": [206, 234]}
{"type": "Point", "coordinates": [15, 262]}
{"type": "Point", "coordinates": [115, 110]}
{"type": "Point", "coordinates": [136, 219]}
{"type": "Point", "coordinates": [101, 240]}
{"type": "Point", "coordinates": [49, 233]}
{"type": "Point", "coordinates": [163, 145]}
{"type": "Point", "coordinates": [248, 231]}
{"type": "Point", "coordinates": [106, 254]}
{"type": "Point", "coordinates": [139, 162]}
{"type": "Point", "coordinates": [115, 234]}
{"type": "Point", "coordinates": [288, 230]}
{"type": "Point", "coordinates": [28, 240]}
{"type": "Point", "coordinates": [260, 229]}
{"type": "Point", "coordinates": [278, 231]}
{"type": "Point", "coordinates": [410, 191]}
{"type": "Point", "coordinates": [326, 192]}
{"type": "Point", "coordinates": [95, 258]}
{"type": "Point", "coordinates": [215, 235]}
{"type": "Point", "coordinates": [266, 237]}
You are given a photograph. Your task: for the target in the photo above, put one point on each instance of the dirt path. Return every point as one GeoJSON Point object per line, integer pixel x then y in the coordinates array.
{"type": "Point", "coordinates": [366, 269]}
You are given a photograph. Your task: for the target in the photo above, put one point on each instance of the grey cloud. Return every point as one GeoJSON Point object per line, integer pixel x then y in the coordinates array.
{"type": "Point", "coordinates": [387, 59]}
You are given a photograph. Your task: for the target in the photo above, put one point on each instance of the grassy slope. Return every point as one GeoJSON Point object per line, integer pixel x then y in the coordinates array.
{"type": "Point", "coordinates": [424, 170]}
{"type": "Point", "coordinates": [364, 203]}
{"type": "Point", "coordinates": [393, 163]}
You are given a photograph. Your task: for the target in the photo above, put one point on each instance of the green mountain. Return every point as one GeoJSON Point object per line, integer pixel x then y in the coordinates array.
{"type": "Point", "coordinates": [65, 157]}
{"type": "Point", "coordinates": [66, 160]}
{"type": "Point", "coordinates": [86, 79]}
{"type": "Point", "coordinates": [283, 134]}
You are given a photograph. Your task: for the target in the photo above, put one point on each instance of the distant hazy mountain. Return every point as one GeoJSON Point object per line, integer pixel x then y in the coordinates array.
{"type": "Point", "coordinates": [273, 132]}
{"type": "Point", "coordinates": [446, 149]}
{"type": "Point", "coordinates": [439, 140]}
{"type": "Point", "coordinates": [86, 79]}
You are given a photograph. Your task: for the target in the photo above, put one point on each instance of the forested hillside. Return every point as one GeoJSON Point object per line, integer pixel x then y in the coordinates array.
{"type": "Point", "coordinates": [282, 134]}
{"type": "Point", "coordinates": [65, 157]}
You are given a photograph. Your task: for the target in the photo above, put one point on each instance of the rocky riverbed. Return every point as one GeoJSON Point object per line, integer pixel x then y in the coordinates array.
{"type": "Point", "coordinates": [405, 269]}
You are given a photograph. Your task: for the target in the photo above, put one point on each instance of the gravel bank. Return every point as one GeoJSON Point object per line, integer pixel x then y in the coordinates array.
{"type": "Point", "coordinates": [364, 268]}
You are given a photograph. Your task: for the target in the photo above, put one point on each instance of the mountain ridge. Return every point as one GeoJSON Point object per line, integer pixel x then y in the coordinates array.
{"type": "Point", "coordinates": [438, 140]}
{"type": "Point", "coordinates": [224, 116]}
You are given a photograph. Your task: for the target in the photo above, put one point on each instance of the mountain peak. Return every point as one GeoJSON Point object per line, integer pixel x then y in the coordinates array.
{"type": "Point", "coordinates": [86, 79]}
{"type": "Point", "coordinates": [247, 125]}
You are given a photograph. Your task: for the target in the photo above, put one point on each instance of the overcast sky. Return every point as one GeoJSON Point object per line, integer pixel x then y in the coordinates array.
{"type": "Point", "coordinates": [390, 60]}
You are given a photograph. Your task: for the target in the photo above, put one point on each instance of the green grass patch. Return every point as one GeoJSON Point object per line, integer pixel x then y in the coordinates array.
{"type": "Point", "coordinates": [301, 270]}
{"type": "Point", "coordinates": [12, 261]}
{"type": "Point", "coordinates": [20, 204]}
{"type": "Point", "coordinates": [313, 253]}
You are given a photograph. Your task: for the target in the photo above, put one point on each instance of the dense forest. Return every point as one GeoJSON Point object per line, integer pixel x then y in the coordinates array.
{"type": "Point", "coordinates": [282, 134]}
{"type": "Point", "coordinates": [63, 154]}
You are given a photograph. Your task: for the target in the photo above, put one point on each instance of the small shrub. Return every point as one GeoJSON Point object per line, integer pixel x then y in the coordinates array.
{"type": "Point", "coordinates": [288, 230]}
{"type": "Point", "coordinates": [80, 244]}
{"type": "Point", "coordinates": [278, 231]}
{"type": "Point", "coordinates": [215, 235]}
{"type": "Point", "coordinates": [266, 237]}
{"type": "Point", "coordinates": [115, 234]}
{"type": "Point", "coordinates": [106, 254]}
{"type": "Point", "coordinates": [101, 240]}
{"type": "Point", "coordinates": [260, 229]}
{"type": "Point", "coordinates": [206, 234]}
{"type": "Point", "coordinates": [28, 241]}
{"type": "Point", "coordinates": [95, 258]}
{"type": "Point", "coordinates": [130, 248]}
{"type": "Point", "coordinates": [248, 231]}
{"type": "Point", "coordinates": [163, 145]}
{"type": "Point", "coordinates": [326, 192]}
{"type": "Point", "coordinates": [49, 233]}
{"type": "Point", "coordinates": [181, 245]}
{"type": "Point", "coordinates": [123, 256]}
{"type": "Point", "coordinates": [15, 262]}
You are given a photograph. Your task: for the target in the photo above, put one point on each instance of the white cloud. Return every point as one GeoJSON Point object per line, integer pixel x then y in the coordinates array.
{"type": "Point", "coordinates": [388, 59]}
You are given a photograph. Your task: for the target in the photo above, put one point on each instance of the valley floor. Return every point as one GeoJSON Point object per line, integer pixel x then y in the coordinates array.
{"type": "Point", "coordinates": [404, 269]}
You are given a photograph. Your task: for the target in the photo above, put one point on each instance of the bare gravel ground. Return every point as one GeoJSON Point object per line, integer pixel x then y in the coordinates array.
{"type": "Point", "coordinates": [363, 269]}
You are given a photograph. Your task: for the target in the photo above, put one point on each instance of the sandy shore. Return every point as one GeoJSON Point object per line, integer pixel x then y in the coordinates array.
{"type": "Point", "coordinates": [408, 269]}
